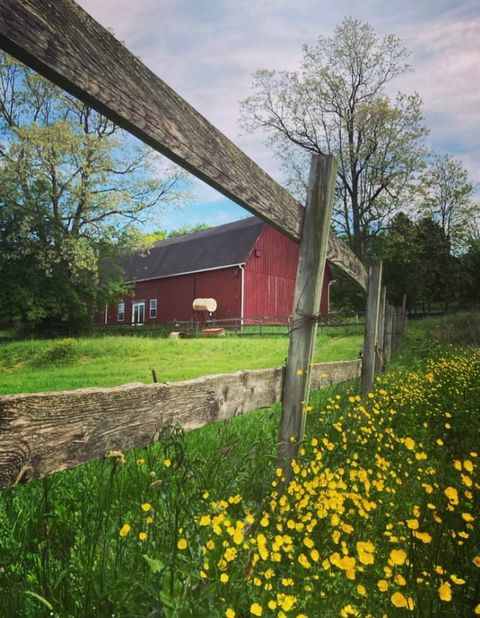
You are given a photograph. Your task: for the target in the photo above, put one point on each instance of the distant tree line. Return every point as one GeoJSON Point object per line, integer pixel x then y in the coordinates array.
{"type": "Point", "coordinates": [418, 261]}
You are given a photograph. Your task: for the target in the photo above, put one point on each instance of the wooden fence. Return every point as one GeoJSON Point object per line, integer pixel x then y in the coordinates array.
{"type": "Point", "coordinates": [250, 326]}
{"type": "Point", "coordinates": [47, 432]}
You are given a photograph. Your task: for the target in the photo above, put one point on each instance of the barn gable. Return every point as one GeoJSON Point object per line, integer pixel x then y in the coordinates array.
{"type": "Point", "coordinates": [218, 247]}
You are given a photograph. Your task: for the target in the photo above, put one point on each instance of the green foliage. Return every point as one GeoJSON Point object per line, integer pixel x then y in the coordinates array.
{"type": "Point", "coordinates": [73, 185]}
{"type": "Point", "coordinates": [469, 274]}
{"type": "Point", "coordinates": [447, 198]}
{"type": "Point", "coordinates": [188, 229]}
{"type": "Point", "coordinates": [416, 261]}
{"type": "Point", "coordinates": [158, 235]}
{"type": "Point", "coordinates": [60, 351]}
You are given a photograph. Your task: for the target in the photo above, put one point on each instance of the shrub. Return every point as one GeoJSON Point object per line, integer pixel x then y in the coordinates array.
{"type": "Point", "coordinates": [61, 351]}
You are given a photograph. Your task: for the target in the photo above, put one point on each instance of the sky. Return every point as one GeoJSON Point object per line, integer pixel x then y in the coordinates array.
{"type": "Point", "coordinates": [207, 50]}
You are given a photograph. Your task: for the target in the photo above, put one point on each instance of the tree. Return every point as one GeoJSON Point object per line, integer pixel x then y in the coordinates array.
{"type": "Point", "coordinates": [337, 103]}
{"type": "Point", "coordinates": [403, 271]}
{"type": "Point", "coordinates": [448, 195]}
{"type": "Point", "coordinates": [159, 235]}
{"type": "Point", "coordinates": [417, 261]}
{"type": "Point", "coordinates": [73, 187]}
{"type": "Point", "coordinates": [469, 284]}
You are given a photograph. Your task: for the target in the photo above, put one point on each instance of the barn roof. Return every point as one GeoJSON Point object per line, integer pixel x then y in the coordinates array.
{"type": "Point", "coordinates": [224, 245]}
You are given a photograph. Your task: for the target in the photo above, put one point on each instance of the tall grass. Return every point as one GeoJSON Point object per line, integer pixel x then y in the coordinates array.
{"type": "Point", "coordinates": [33, 366]}
{"type": "Point", "coordinates": [146, 533]}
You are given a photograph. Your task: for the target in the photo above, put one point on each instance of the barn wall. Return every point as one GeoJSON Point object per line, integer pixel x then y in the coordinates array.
{"type": "Point", "coordinates": [270, 273]}
{"type": "Point", "coordinates": [175, 296]}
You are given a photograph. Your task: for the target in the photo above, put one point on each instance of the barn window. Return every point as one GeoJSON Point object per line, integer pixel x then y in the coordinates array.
{"type": "Point", "coordinates": [121, 311]}
{"type": "Point", "coordinates": [153, 308]}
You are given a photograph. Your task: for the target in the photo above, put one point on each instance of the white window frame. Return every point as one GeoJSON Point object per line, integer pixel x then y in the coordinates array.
{"type": "Point", "coordinates": [138, 303]}
{"type": "Point", "coordinates": [121, 312]}
{"type": "Point", "coordinates": [153, 309]}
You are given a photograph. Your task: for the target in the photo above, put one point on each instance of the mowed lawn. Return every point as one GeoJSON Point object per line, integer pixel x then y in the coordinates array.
{"type": "Point", "coordinates": [36, 365]}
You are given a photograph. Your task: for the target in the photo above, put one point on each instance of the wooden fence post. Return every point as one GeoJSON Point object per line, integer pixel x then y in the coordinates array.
{"type": "Point", "coordinates": [371, 325]}
{"type": "Point", "coordinates": [308, 287]}
{"type": "Point", "coordinates": [387, 348]}
{"type": "Point", "coordinates": [397, 327]}
{"type": "Point", "coordinates": [394, 327]}
{"type": "Point", "coordinates": [403, 314]}
{"type": "Point", "coordinates": [379, 347]}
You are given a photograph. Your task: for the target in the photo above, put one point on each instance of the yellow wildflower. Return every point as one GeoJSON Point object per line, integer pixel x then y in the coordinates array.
{"type": "Point", "coordinates": [422, 536]}
{"type": "Point", "coordinates": [452, 495]}
{"type": "Point", "coordinates": [382, 585]}
{"type": "Point", "coordinates": [445, 592]}
{"type": "Point", "coordinates": [457, 580]}
{"type": "Point", "coordinates": [125, 529]}
{"type": "Point", "coordinates": [398, 556]}
{"type": "Point", "coordinates": [399, 600]}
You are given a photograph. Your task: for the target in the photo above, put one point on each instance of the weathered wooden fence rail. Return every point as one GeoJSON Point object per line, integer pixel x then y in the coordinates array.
{"type": "Point", "coordinates": [44, 433]}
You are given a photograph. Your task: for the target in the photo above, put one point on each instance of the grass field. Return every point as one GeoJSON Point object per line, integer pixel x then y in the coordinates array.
{"type": "Point", "coordinates": [380, 520]}
{"type": "Point", "coordinates": [46, 365]}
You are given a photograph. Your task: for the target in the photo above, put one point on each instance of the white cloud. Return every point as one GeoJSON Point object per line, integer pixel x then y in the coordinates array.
{"type": "Point", "coordinates": [207, 51]}
{"type": "Point", "coordinates": [446, 57]}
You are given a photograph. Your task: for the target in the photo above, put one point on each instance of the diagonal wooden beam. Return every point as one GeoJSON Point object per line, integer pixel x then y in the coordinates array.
{"type": "Point", "coordinates": [62, 42]}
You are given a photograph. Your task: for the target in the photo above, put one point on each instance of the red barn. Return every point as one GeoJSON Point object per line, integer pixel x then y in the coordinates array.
{"type": "Point", "coordinates": [248, 267]}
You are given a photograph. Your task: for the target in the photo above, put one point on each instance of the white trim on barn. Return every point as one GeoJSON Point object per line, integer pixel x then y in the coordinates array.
{"type": "Point", "coordinates": [190, 272]}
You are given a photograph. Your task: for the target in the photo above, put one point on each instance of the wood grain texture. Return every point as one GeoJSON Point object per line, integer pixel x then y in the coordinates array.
{"type": "Point", "coordinates": [388, 334]}
{"type": "Point", "coordinates": [379, 346]}
{"type": "Point", "coordinates": [49, 432]}
{"type": "Point", "coordinates": [308, 288]}
{"type": "Point", "coordinates": [62, 42]}
{"type": "Point", "coordinates": [371, 327]}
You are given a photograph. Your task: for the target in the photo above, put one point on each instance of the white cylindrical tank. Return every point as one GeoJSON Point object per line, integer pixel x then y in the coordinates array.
{"type": "Point", "coordinates": [205, 304]}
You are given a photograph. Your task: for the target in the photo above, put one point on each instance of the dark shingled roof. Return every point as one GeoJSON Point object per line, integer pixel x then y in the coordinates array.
{"type": "Point", "coordinates": [219, 246]}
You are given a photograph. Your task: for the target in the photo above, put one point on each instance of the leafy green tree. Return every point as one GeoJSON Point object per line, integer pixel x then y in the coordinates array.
{"type": "Point", "coordinates": [159, 235]}
{"type": "Point", "coordinates": [337, 103]}
{"type": "Point", "coordinates": [469, 277]}
{"type": "Point", "coordinates": [73, 187]}
{"type": "Point", "coordinates": [399, 249]}
{"type": "Point", "coordinates": [437, 267]}
{"type": "Point", "coordinates": [417, 262]}
{"type": "Point", "coordinates": [188, 229]}
{"type": "Point", "coordinates": [447, 198]}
